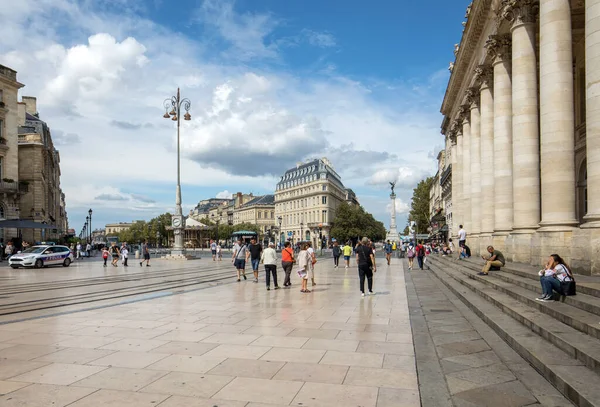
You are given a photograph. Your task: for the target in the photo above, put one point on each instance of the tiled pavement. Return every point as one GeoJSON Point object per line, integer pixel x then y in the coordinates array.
{"type": "Point", "coordinates": [232, 345]}
{"type": "Point", "coordinates": [461, 361]}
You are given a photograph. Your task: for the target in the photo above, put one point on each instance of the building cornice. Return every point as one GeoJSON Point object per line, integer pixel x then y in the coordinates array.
{"type": "Point", "coordinates": [469, 47]}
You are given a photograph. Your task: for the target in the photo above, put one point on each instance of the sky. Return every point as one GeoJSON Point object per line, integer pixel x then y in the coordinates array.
{"type": "Point", "coordinates": [271, 83]}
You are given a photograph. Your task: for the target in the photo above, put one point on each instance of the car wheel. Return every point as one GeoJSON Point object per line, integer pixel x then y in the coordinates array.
{"type": "Point", "coordinates": [39, 264]}
{"type": "Point", "coordinates": [67, 262]}
{"type": "Point", "coordinates": [15, 267]}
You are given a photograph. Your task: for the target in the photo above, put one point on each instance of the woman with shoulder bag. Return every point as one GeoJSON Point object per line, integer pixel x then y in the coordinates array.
{"type": "Point", "coordinates": [287, 262]}
{"type": "Point", "coordinates": [556, 276]}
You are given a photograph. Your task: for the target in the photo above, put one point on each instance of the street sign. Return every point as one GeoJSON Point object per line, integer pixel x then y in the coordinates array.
{"type": "Point", "coordinates": [289, 234]}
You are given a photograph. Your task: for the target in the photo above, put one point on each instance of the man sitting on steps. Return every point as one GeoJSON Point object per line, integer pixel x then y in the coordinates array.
{"type": "Point", "coordinates": [495, 260]}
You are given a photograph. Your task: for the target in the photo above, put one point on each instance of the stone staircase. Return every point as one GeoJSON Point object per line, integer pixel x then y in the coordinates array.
{"type": "Point", "coordinates": [560, 339]}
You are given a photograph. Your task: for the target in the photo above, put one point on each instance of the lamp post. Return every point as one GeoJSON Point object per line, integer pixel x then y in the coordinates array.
{"type": "Point", "coordinates": [301, 231]}
{"type": "Point", "coordinates": [175, 103]}
{"type": "Point", "coordinates": [87, 224]}
{"type": "Point", "coordinates": [279, 219]}
{"type": "Point", "coordinates": [157, 239]}
{"type": "Point", "coordinates": [321, 237]}
{"type": "Point", "coordinates": [91, 235]}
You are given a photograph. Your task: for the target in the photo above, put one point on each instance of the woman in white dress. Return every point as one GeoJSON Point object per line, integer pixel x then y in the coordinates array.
{"type": "Point", "coordinates": [305, 267]}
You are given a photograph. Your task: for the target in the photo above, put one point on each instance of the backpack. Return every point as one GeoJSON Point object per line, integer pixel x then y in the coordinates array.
{"type": "Point", "coordinates": [410, 253]}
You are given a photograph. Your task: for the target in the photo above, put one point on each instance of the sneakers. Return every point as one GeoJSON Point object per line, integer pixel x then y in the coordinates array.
{"type": "Point", "coordinates": [268, 288]}
{"type": "Point", "coordinates": [255, 280]}
{"type": "Point", "coordinates": [371, 293]}
{"type": "Point", "coordinates": [543, 297]}
{"type": "Point", "coordinates": [362, 294]}
{"type": "Point", "coordinates": [548, 299]}
{"type": "Point", "coordinates": [481, 273]}
{"type": "Point", "coordinates": [141, 263]}
{"type": "Point", "coordinates": [245, 277]}
{"type": "Point", "coordinates": [276, 287]}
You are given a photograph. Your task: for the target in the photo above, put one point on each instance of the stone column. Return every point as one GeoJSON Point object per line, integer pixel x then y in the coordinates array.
{"type": "Point", "coordinates": [485, 76]}
{"type": "Point", "coordinates": [592, 72]}
{"type": "Point", "coordinates": [557, 115]}
{"type": "Point", "coordinates": [525, 128]}
{"type": "Point", "coordinates": [473, 94]}
{"type": "Point", "coordinates": [499, 48]}
{"type": "Point", "coordinates": [466, 173]}
{"type": "Point", "coordinates": [458, 208]}
{"type": "Point", "coordinates": [455, 174]}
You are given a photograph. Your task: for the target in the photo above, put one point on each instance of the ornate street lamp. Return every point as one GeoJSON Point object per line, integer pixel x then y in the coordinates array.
{"type": "Point", "coordinates": [91, 235]}
{"type": "Point", "coordinates": [301, 231]}
{"type": "Point", "coordinates": [157, 239]}
{"type": "Point", "coordinates": [280, 219]}
{"type": "Point", "coordinates": [175, 103]}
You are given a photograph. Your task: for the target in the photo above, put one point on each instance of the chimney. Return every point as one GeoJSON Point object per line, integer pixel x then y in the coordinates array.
{"type": "Point", "coordinates": [31, 104]}
{"type": "Point", "coordinates": [21, 113]}
{"type": "Point", "coordinates": [239, 200]}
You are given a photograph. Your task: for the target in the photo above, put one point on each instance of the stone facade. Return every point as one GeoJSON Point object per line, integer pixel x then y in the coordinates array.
{"type": "Point", "coordinates": [258, 211]}
{"type": "Point", "coordinates": [42, 199]}
{"type": "Point", "coordinates": [306, 198]}
{"type": "Point", "coordinates": [113, 229]}
{"type": "Point", "coordinates": [9, 151]}
{"type": "Point", "coordinates": [523, 109]}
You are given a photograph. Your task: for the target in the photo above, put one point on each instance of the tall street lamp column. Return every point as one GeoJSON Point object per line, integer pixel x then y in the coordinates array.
{"type": "Point", "coordinates": [175, 103]}
{"type": "Point", "coordinates": [91, 235]}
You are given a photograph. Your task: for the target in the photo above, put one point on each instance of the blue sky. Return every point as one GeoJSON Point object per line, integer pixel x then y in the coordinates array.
{"type": "Point", "coordinates": [272, 82]}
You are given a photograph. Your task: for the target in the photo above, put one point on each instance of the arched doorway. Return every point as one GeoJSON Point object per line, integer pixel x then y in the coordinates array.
{"type": "Point", "coordinates": [582, 195]}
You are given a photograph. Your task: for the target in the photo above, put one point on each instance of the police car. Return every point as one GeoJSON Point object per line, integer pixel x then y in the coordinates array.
{"type": "Point", "coordinates": [41, 256]}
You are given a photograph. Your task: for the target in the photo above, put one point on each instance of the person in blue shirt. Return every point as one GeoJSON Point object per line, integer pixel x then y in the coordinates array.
{"type": "Point", "coordinates": [388, 252]}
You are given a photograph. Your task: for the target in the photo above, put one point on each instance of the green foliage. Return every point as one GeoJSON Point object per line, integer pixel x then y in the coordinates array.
{"type": "Point", "coordinates": [352, 222]}
{"type": "Point", "coordinates": [406, 231]}
{"type": "Point", "coordinates": [143, 230]}
{"type": "Point", "coordinates": [419, 206]}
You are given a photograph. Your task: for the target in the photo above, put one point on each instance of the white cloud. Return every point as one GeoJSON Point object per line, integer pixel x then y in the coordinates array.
{"type": "Point", "coordinates": [224, 195]}
{"type": "Point", "coordinates": [404, 177]}
{"type": "Point", "coordinates": [401, 207]}
{"type": "Point", "coordinates": [321, 39]}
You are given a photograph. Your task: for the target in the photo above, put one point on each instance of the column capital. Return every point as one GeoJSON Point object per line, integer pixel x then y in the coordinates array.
{"type": "Point", "coordinates": [519, 12]}
{"type": "Point", "coordinates": [464, 113]}
{"type": "Point", "coordinates": [472, 97]}
{"type": "Point", "coordinates": [499, 47]}
{"type": "Point", "coordinates": [456, 128]}
{"type": "Point", "coordinates": [485, 75]}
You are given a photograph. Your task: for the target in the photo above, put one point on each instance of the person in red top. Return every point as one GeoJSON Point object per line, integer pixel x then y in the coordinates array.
{"type": "Point", "coordinates": [420, 254]}
{"type": "Point", "coordinates": [287, 262]}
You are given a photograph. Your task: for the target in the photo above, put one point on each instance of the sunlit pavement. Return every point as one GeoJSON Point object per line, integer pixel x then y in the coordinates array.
{"type": "Point", "coordinates": [222, 343]}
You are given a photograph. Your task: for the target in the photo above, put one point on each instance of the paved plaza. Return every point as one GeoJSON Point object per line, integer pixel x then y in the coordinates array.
{"type": "Point", "coordinates": [223, 344]}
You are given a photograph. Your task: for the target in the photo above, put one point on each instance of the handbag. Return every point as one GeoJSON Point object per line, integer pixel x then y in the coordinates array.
{"type": "Point", "coordinates": [569, 287]}
{"type": "Point", "coordinates": [301, 273]}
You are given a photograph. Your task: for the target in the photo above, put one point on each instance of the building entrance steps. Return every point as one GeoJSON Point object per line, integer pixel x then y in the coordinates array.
{"type": "Point", "coordinates": [560, 339]}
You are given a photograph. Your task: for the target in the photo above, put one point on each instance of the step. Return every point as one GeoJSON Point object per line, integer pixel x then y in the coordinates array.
{"type": "Point", "coordinates": [577, 344]}
{"type": "Point", "coordinates": [589, 285]}
{"type": "Point", "coordinates": [588, 303]}
{"type": "Point", "coordinates": [570, 376]}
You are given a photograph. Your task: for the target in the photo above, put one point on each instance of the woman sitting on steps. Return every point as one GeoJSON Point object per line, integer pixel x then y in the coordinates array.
{"type": "Point", "coordinates": [555, 272]}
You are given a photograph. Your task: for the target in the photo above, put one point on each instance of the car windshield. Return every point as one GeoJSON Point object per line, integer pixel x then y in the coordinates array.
{"type": "Point", "coordinates": [34, 249]}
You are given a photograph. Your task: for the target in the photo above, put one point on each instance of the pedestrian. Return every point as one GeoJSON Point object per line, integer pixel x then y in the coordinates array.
{"type": "Point", "coordinates": [88, 250]}
{"type": "Point", "coordinates": [494, 261]}
{"type": "Point", "coordinates": [347, 253]}
{"type": "Point", "coordinates": [78, 250]}
{"type": "Point", "coordinates": [410, 254]}
{"type": "Point", "coordinates": [313, 261]}
{"type": "Point", "coordinates": [366, 265]}
{"type": "Point", "coordinates": [146, 254]}
{"type": "Point", "coordinates": [287, 262]}
{"type": "Point", "coordinates": [125, 254]}
{"type": "Point", "coordinates": [451, 245]}
{"type": "Point", "coordinates": [304, 264]}
{"type": "Point", "coordinates": [269, 259]}
{"type": "Point", "coordinates": [388, 252]}
{"type": "Point", "coordinates": [255, 250]}
{"type": "Point", "coordinates": [219, 252]}
{"type": "Point", "coordinates": [9, 250]}
{"type": "Point", "coordinates": [555, 272]}
{"type": "Point", "coordinates": [240, 254]}
{"type": "Point", "coordinates": [420, 251]}
{"type": "Point", "coordinates": [213, 249]}
{"type": "Point", "coordinates": [105, 255]}
{"type": "Point", "coordinates": [114, 251]}
{"type": "Point", "coordinates": [337, 252]}
{"type": "Point", "coordinates": [123, 247]}
{"type": "Point", "coordinates": [427, 253]}
{"type": "Point", "coordinates": [462, 236]}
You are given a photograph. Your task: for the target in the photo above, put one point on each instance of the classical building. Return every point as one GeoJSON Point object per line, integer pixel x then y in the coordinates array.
{"type": "Point", "coordinates": [113, 229]}
{"type": "Point", "coordinates": [9, 150]}
{"type": "Point", "coordinates": [522, 116]}
{"type": "Point", "coordinates": [258, 211]}
{"type": "Point", "coordinates": [306, 198]}
{"type": "Point", "coordinates": [42, 199]}
{"type": "Point", "coordinates": [29, 166]}
{"type": "Point", "coordinates": [440, 200]}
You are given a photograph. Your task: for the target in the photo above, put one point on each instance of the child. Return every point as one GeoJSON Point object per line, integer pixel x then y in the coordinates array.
{"type": "Point", "coordinates": [105, 255]}
{"type": "Point", "coordinates": [125, 254]}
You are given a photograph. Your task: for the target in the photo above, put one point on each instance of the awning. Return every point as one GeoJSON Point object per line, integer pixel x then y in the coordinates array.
{"type": "Point", "coordinates": [24, 224]}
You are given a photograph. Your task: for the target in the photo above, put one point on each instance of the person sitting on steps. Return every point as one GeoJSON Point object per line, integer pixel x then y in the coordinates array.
{"type": "Point", "coordinates": [555, 271]}
{"type": "Point", "coordinates": [495, 260]}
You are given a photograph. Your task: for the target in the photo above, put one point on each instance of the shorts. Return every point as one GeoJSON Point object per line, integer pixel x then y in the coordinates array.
{"type": "Point", "coordinates": [214, 252]}
{"type": "Point", "coordinates": [461, 243]}
{"type": "Point", "coordinates": [147, 256]}
{"type": "Point", "coordinates": [255, 263]}
{"type": "Point", "coordinates": [346, 258]}
{"type": "Point", "coordinates": [239, 264]}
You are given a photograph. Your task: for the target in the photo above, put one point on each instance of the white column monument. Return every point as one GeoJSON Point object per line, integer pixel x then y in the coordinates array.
{"type": "Point", "coordinates": [393, 235]}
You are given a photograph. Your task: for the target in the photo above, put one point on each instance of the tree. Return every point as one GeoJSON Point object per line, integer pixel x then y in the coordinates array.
{"type": "Point", "coordinates": [419, 206]}
{"type": "Point", "coordinates": [352, 222]}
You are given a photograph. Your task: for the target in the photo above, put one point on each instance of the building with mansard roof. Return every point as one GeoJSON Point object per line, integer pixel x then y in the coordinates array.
{"type": "Point", "coordinates": [522, 116]}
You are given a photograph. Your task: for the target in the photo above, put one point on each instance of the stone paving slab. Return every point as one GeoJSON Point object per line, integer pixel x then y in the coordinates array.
{"type": "Point", "coordinates": [231, 345]}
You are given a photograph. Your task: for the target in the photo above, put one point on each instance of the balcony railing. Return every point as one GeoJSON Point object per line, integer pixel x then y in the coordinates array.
{"type": "Point", "coordinates": [9, 186]}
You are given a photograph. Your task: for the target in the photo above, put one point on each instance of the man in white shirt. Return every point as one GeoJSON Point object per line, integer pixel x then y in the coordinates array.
{"type": "Point", "coordinates": [462, 236]}
{"type": "Point", "coordinates": [78, 250]}
{"type": "Point", "coordinates": [313, 257]}
{"type": "Point", "coordinates": [269, 259]}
